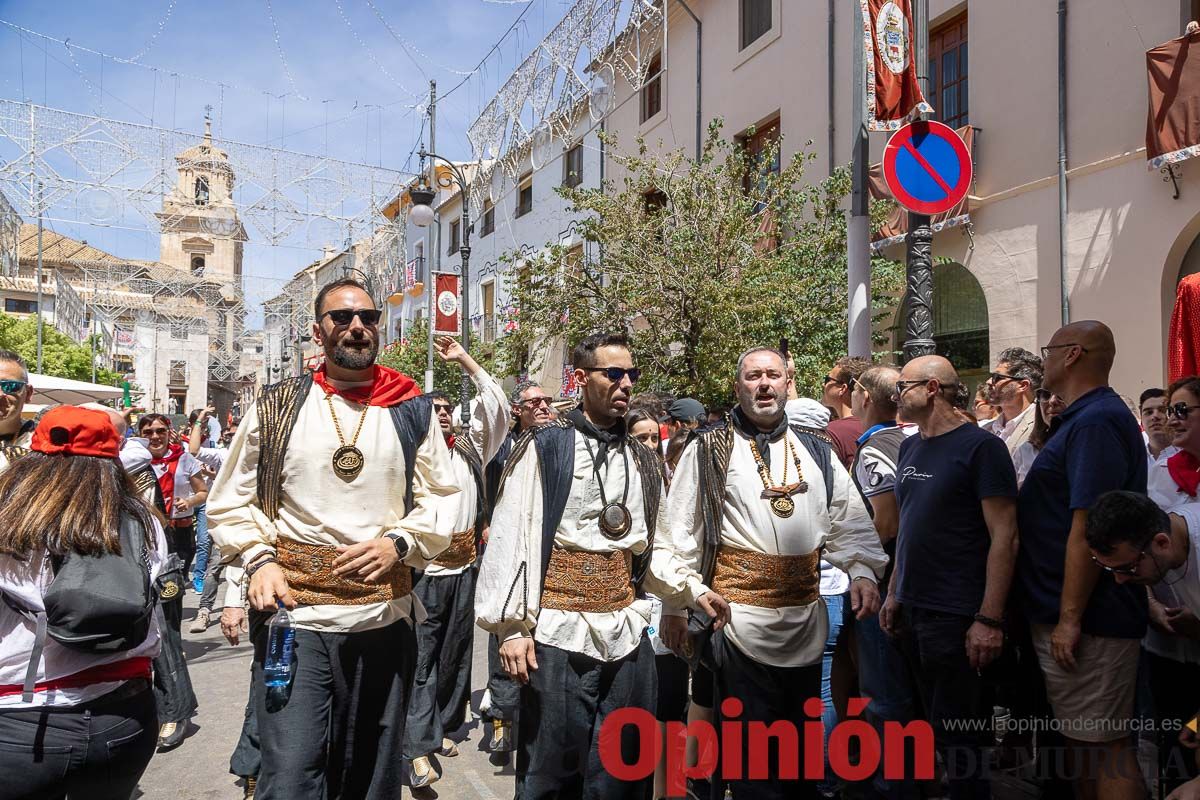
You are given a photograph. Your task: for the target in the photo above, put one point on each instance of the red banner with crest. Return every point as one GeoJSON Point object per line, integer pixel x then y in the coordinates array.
{"type": "Point", "coordinates": [893, 93]}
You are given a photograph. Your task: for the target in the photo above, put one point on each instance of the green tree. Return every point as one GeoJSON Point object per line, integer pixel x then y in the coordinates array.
{"type": "Point", "coordinates": [410, 356]}
{"type": "Point", "coordinates": [698, 261]}
{"type": "Point", "coordinates": [61, 356]}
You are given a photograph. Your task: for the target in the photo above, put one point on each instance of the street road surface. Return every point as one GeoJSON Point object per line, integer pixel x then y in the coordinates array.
{"type": "Point", "coordinates": [199, 768]}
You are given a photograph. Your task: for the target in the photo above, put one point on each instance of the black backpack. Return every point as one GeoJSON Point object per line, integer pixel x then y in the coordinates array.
{"type": "Point", "coordinates": [95, 604]}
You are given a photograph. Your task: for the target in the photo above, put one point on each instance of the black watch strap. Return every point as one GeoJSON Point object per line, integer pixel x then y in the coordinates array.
{"type": "Point", "coordinates": [991, 622]}
{"type": "Point", "coordinates": [401, 545]}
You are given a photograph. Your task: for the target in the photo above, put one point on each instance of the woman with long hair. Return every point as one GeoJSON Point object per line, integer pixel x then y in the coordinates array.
{"type": "Point", "coordinates": [1049, 406]}
{"type": "Point", "coordinates": [84, 725]}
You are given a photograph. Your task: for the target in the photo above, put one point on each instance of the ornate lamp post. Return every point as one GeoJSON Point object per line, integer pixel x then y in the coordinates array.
{"type": "Point", "coordinates": [422, 216]}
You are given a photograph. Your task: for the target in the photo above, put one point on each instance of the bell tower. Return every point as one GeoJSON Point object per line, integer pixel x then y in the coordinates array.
{"type": "Point", "coordinates": [201, 232]}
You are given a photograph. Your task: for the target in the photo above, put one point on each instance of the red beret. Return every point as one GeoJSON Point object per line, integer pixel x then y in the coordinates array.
{"type": "Point", "coordinates": [76, 431]}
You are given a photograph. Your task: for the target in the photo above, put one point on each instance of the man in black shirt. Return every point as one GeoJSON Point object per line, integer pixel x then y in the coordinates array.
{"type": "Point", "coordinates": [955, 551]}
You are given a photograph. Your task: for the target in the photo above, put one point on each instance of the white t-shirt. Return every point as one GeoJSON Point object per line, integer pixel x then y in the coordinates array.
{"type": "Point", "coordinates": [188, 466]}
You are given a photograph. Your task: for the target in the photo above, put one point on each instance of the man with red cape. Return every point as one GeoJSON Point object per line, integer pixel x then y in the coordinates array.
{"type": "Point", "coordinates": [337, 487]}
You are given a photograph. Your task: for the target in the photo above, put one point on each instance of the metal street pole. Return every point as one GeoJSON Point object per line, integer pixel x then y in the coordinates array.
{"type": "Point", "coordinates": [918, 295]}
{"type": "Point", "coordinates": [431, 240]}
{"type": "Point", "coordinates": [39, 281]}
{"type": "Point", "coordinates": [465, 288]}
{"type": "Point", "coordinates": [858, 229]}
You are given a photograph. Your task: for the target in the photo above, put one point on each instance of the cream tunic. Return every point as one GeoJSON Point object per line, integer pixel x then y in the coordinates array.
{"type": "Point", "coordinates": [507, 599]}
{"type": "Point", "coordinates": [317, 507]}
{"type": "Point", "coordinates": [490, 420]}
{"type": "Point", "coordinates": [785, 637]}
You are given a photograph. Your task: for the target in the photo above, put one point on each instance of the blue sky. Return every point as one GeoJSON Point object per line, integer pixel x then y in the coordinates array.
{"type": "Point", "coordinates": [351, 92]}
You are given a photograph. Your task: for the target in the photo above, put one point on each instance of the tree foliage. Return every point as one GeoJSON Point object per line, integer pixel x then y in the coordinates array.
{"type": "Point", "coordinates": [61, 356]}
{"type": "Point", "coordinates": [699, 260]}
{"type": "Point", "coordinates": [410, 355]}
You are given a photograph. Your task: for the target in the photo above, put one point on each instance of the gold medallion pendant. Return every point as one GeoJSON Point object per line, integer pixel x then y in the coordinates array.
{"type": "Point", "coordinates": [783, 506]}
{"type": "Point", "coordinates": [615, 521]}
{"type": "Point", "coordinates": [347, 461]}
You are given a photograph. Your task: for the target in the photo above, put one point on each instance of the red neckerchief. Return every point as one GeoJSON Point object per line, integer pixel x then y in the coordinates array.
{"type": "Point", "coordinates": [166, 481]}
{"type": "Point", "coordinates": [450, 442]}
{"type": "Point", "coordinates": [1184, 469]}
{"type": "Point", "coordinates": [388, 388]}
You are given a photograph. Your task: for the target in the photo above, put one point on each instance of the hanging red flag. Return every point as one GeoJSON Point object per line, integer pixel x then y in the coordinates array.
{"type": "Point", "coordinates": [446, 316]}
{"type": "Point", "coordinates": [893, 93]}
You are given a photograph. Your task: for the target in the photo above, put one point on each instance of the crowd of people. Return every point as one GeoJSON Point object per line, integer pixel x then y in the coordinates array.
{"type": "Point", "coordinates": [1008, 568]}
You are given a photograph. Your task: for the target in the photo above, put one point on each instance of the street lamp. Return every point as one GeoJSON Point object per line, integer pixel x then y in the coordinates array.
{"type": "Point", "coordinates": [421, 215]}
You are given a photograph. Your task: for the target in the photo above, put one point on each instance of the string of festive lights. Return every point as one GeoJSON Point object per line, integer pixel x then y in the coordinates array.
{"type": "Point", "coordinates": [162, 23]}
{"type": "Point", "coordinates": [410, 48]}
{"type": "Point", "coordinates": [366, 49]}
{"type": "Point", "coordinates": [287, 72]}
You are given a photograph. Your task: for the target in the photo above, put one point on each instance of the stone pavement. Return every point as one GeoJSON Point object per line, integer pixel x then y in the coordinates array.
{"type": "Point", "coordinates": [199, 768]}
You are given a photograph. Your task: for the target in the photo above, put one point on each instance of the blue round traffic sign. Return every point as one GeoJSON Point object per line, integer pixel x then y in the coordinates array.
{"type": "Point", "coordinates": [927, 167]}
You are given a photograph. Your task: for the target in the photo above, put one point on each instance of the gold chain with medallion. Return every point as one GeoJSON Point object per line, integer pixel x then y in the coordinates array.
{"type": "Point", "coordinates": [348, 460]}
{"type": "Point", "coordinates": [782, 504]}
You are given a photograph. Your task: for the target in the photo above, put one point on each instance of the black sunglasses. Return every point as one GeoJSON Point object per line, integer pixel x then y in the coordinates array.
{"type": "Point", "coordinates": [615, 374]}
{"type": "Point", "coordinates": [1042, 395]}
{"type": "Point", "coordinates": [904, 386]}
{"type": "Point", "coordinates": [1180, 410]}
{"type": "Point", "coordinates": [534, 402]}
{"type": "Point", "coordinates": [440, 407]}
{"type": "Point", "coordinates": [830, 379]}
{"type": "Point", "coordinates": [344, 316]}
{"type": "Point", "coordinates": [13, 386]}
{"type": "Point", "coordinates": [996, 377]}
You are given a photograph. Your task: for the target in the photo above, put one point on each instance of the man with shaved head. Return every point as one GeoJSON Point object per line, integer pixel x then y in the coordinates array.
{"type": "Point", "coordinates": [957, 542]}
{"type": "Point", "coordinates": [1086, 627]}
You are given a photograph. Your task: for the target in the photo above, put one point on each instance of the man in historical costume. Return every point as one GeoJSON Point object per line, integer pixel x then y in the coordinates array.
{"type": "Point", "coordinates": [335, 490]}
{"type": "Point", "coordinates": [442, 685]}
{"type": "Point", "coordinates": [754, 506]}
{"type": "Point", "coordinates": [569, 552]}
{"type": "Point", "coordinates": [531, 407]}
{"type": "Point", "coordinates": [15, 392]}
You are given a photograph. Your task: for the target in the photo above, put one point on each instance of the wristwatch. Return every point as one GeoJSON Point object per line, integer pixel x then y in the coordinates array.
{"type": "Point", "coordinates": [991, 622]}
{"type": "Point", "coordinates": [401, 545]}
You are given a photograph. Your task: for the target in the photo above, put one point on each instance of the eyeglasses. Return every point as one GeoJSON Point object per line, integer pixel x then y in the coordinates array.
{"type": "Point", "coordinates": [1126, 569]}
{"type": "Point", "coordinates": [344, 316]}
{"type": "Point", "coordinates": [13, 386]}
{"type": "Point", "coordinates": [997, 377]}
{"type": "Point", "coordinates": [1180, 411]}
{"type": "Point", "coordinates": [830, 379]}
{"type": "Point", "coordinates": [439, 408]}
{"type": "Point", "coordinates": [534, 402]}
{"type": "Point", "coordinates": [615, 374]}
{"type": "Point", "coordinates": [1046, 350]}
{"type": "Point", "coordinates": [904, 386]}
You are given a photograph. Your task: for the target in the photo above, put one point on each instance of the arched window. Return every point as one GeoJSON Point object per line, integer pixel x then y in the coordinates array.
{"type": "Point", "coordinates": [960, 322]}
{"type": "Point", "coordinates": [201, 191]}
{"type": "Point", "coordinates": [197, 265]}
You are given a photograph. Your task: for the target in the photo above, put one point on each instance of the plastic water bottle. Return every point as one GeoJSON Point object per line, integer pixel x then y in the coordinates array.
{"type": "Point", "coordinates": [277, 670]}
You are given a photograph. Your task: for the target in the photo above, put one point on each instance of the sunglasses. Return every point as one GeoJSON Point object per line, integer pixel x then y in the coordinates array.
{"type": "Point", "coordinates": [997, 377]}
{"type": "Point", "coordinates": [1046, 350]}
{"type": "Point", "coordinates": [1126, 569]}
{"type": "Point", "coordinates": [156, 431]}
{"type": "Point", "coordinates": [904, 386]}
{"type": "Point", "coordinates": [439, 408]}
{"type": "Point", "coordinates": [13, 386]}
{"type": "Point", "coordinates": [1180, 411]}
{"type": "Point", "coordinates": [1043, 395]}
{"type": "Point", "coordinates": [830, 379]}
{"type": "Point", "coordinates": [615, 374]}
{"type": "Point", "coordinates": [344, 316]}
{"type": "Point", "coordinates": [534, 402]}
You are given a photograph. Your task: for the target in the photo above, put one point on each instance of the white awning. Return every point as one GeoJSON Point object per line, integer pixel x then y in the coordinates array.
{"type": "Point", "coordinates": [49, 390]}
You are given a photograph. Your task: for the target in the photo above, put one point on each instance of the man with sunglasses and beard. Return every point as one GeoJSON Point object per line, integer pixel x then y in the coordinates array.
{"type": "Point", "coordinates": [754, 507]}
{"type": "Point", "coordinates": [571, 552]}
{"type": "Point", "coordinates": [337, 486]}
{"type": "Point", "coordinates": [442, 684]}
{"type": "Point", "coordinates": [15, 391]}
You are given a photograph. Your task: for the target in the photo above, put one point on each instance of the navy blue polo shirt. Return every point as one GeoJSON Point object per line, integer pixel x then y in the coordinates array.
{"type": "Point", "coordinates": [1096, 446]}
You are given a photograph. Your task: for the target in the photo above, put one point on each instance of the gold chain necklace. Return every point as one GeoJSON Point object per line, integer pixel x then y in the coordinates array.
{"type": "Point", "coordinates": [348, 460]}
{"type": "Point", "coordinates": [780, 496]}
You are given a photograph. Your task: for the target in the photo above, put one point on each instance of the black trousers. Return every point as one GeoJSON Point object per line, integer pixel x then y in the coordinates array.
{"type": "Point", "coordinates": [442, 683]}
{"type": "Point", "coordinates": [173, 691]}
{"type": "Point", "coordinates": [96, 750]}
{"type": "Point", "coordinates": [246, 760]}
{"type": "Point", "coordinates": [505, 692]}
{"type": "Point", "coordinates": [1175, 686]}
{"type": "Point", "coordinates": [951, 690]}
{"type": "Point", "coordinates": [768, 694]}
{"type": "Point", "coordinates": [337, 730]}
{"type": "Point", "coordinates": [562, 712]}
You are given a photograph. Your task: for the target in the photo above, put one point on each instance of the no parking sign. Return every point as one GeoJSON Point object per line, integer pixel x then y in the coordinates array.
{"type": "Point", "coordinates": [927, 167]}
